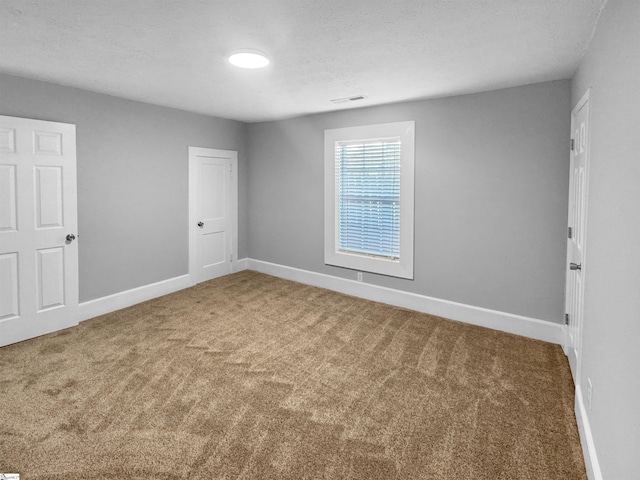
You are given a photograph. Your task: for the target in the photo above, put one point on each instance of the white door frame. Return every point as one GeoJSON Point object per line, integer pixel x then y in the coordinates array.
{"type": "Point", "coordinates": [232, 156]}
{"type": "Point", "coordinates": [576, 344]}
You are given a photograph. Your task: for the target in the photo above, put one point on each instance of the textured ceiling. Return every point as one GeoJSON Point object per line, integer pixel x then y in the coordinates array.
{"type": "Point", "coordinates": [173, 52]}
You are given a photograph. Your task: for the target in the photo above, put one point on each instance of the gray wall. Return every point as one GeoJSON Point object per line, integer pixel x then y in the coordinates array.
{"type": "Point", "coordinates": [491, 190]}
{"type": "Point", "coordinates": [611, 356]}
{"type": "Point", "coordinates": [132, 179]}
{"type": "Point", "coordinates": [491, 196]}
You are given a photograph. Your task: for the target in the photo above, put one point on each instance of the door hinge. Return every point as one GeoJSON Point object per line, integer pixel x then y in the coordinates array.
{"type": "Point", "coordinates": [573, 144]}
{"type": "Point", "coordinates": [231, 257]}
{"type": "Point", "coordinates": [231, 168]}
{"type": "Point", "coordinates": [566, 319]}
{"type": "Point", "coordinates": [570, 234]}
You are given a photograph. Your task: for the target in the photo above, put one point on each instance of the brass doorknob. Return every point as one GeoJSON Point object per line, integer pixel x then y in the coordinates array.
{"type": "Point", "coordinates": [71, 237]}
{"type": "Point", "coordinates": [200, 224]}
{"type": "Point", "coordinates": [575, 266]}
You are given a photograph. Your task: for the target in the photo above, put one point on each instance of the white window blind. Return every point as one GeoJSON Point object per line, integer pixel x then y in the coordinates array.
{"type": "Point", "coordinates": [368, 195]}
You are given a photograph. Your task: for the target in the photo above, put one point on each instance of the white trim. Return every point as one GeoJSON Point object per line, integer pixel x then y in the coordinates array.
{"type": "Point", "coordinates": [128, 298]}
{"type": "Point", "coordinates": [484, 317]}
{"type": "Point", "coordinates": [241, 264]}
{"type": "Point", "coordinates": [117, 301]}
{"type": "Point", "coordinates": [403, 267]}
{"type": "Point", "coordinates": [586, 439]}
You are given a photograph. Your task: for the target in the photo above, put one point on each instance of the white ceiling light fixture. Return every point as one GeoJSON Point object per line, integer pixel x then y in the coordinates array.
{"type": "Point", "coordinates": [249, 59]}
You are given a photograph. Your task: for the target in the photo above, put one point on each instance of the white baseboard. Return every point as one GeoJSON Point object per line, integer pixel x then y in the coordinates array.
{"type": "Point", "coordinates": [586, 438]}
{"type": "Point", "coordinates": [241, 264]}
{"type": "Point", "coordinates": [506, 322]}
{"type": "Point", "coordinates": [111, 303]}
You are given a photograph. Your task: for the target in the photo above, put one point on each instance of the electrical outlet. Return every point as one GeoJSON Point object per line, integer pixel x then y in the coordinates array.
{"type": "Point", "coordinates": [359, 276]}
{"type": "Point", "coordinates": [589, 393]}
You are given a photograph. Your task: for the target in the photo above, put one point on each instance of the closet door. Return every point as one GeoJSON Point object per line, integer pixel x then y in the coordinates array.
{"type": "Point", "coordinates": [213, 205]}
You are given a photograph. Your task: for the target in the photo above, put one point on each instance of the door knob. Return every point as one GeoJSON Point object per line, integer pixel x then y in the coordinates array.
{"type": "Point", "coordinates": [71, 237]}
{"type": "Point", "coordinates": [200, 224]}
{"type": "Point", "coordinates": [575, 266]}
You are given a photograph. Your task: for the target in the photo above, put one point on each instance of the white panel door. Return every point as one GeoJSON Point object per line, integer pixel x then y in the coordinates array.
{"type": "Point", "coordinates": [578, 185]}
{"type": "Point", "coordinates": [213, 212]}
{"type": "Point", "coordinates": [38, 223]}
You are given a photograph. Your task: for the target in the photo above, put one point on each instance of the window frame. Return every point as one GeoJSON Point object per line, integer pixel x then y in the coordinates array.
{"type": "Point", "coordinates": [402, 267]}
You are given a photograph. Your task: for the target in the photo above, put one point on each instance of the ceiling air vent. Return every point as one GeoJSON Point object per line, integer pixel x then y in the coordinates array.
{"type": "Point", "coordinates": [348, 99]}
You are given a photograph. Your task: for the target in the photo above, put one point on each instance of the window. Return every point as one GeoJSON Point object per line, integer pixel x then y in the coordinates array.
{"type": "Point", "coordinates": [369, 198]}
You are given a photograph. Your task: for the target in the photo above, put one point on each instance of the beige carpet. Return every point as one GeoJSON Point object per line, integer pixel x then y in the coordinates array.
{"type": "Point", "coordinates": [253, 377]}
